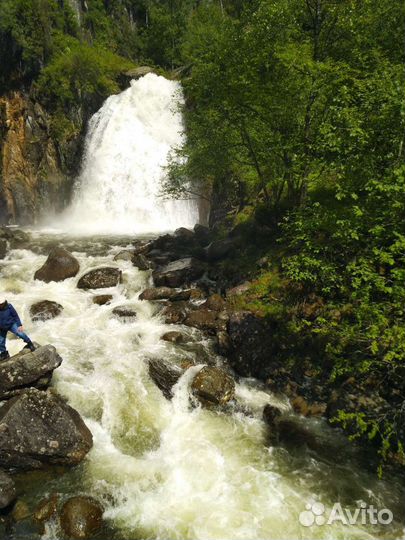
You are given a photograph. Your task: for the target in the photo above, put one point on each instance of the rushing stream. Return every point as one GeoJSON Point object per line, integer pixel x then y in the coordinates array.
{"type": "Point", "coordinates": [163, 469]}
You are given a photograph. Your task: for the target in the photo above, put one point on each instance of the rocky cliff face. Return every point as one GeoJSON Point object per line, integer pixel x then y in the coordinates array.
{"type": "Point", "coordinates": [33, 177]}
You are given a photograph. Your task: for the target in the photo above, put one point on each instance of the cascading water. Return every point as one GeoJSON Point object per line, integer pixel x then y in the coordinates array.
{"type": "Point", "coordinates": [127, 147]}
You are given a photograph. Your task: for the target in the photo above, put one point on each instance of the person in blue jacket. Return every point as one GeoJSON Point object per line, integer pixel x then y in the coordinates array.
{"type": "Point", "coordinates": [10, 322]}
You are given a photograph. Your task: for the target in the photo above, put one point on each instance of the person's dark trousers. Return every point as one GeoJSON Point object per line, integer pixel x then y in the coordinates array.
{"type": "Point", "coordinates": [3, 336]}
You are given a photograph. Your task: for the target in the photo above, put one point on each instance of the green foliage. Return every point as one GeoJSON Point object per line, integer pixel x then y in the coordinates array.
{"type": "Point", "coordinates": [81, 73]}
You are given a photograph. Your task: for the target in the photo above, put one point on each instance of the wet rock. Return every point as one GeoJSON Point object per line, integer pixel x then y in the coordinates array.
{"type": "Point", "coordinates": [173, 337]}
{"type": "Point", "coordinates": [28, 369]}
{"type": "Point", "coordinates": [180, 272]}
{"type": "Point", "coordinates": [124, 255]}
{"type": "Point", "coordinates": [219, 249]}
{"type": "Point", "coordinates": [20, 511]}
{"type": "Point", "coordinates": [127, 313]}
{"type": "Point", "coordinates": [204, 319]}
{"type": "Point", "coordinates": [142, 246]}
{"type": "Point", "coordinates": [16, 237]}
{"type": "Point", "coordinates": [81, 517]}
{"type": "Point", "coordinates": [46, 508]}
{"type": "Point", "coordinates": [271, 414]}
{"type": "Point", "coordinates": [45, 310]}
{"type": "Point", "coordinates": [39, 428]}
{"type": "Point", "coordinates": [100, 278]}
{"type": "Point", "coordinates": [202, 234]}
{"type": "Point", "coordinates": [223, 342]}
{"type": "Point", "coordinates": [184, 233]}
{"type": "Point", "coordinates": [301, 406]}
{"type": "Point", "coordinates": [59, 266]}
{"type": "Point", "coordinates": [213, 386]}
{"type": "Point", "coordinates": [7, 490]}
{"type": "Point", "coordinates": [165, 293]}
{"type": "Point", "coordinates": [175, 313]}
{"type": "Point", "coordinates": [102, 299]}
{"type": "Point", "coordinates": [215, 302]}
{"type": "Point", "coordinates": [165, 375]}
{"type": "Point", "coordinates": [251, 344]}
{"type": "Point", "coordinates": [141, 262]}
{"type": "Point", "coordinates": [3, 248]}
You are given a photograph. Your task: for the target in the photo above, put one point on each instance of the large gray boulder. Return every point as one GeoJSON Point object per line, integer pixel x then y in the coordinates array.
{"type": "Point", "coordinates": [7, 490]}
{"type": "Point", "coordinates": [180, 272]}
{"type": "Point", "coordinates": [45, 310]}
{"type": "Point", "coordinates": [28, 369]}
{"type": "Point", "coordinates": [59, 266]}
{"type": "Point", "coordinates": [39, 428]}
{"type": "Point", "coordinates": [100, 278]}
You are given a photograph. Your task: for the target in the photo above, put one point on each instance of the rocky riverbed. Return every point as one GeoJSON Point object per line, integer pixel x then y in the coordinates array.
{"type": "Point", "coordinates": [140, 384]}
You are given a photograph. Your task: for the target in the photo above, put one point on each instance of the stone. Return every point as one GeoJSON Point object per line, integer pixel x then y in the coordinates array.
{"type": "Point", "coordinates": [239, 290]}
{"type": "Point", "coordinates": [102, 299]}
{"type": "Point", "coordinates": [81, 517]}
{"type": "Point", "coordinates": [138, 72]}
{"type": "Point", "coordinates": [165, 375]}
{"type": "Point", "coordinates": [20, 511]}
{"type": "Point", "coordinates": [45, 310]}
{"type": "Point", "coordinates": [179, 272]}
{"type": "Point", "coordinates": [204, 319]}
{"type": "Point", "coordinates": [124, 255]}
{"type": "Point", "coordinates": [59, 266]}
{"type": "Point", "coordinates": [214, 302]}
{"type": "Point", "coordinates": [173, 337]}
{"type": "Point", "coordinates": [100, 278]}
{"type": "Point", "coordinates": [8, 492]}
{"type": "Point", "coordinates": [202, 234]}
{"type": "Point", "coordinates": [141, 262]}
{"type": "Point", "coordinates": [38, 429]}
{"type": "Point", "coordinates": [3, 248]}
{"type": "Point", "coordinates": [165, 293]}
{"type": "Point", "coordinates": [26, 369]}
{"type": "Point", "coordinates": [127, 313]}
{"type": "Point", "coordinates": [213, 386]}
{"type": "Point", "coordinates": [175, 313]}
{"type": "Point", "coordinates": [46, 508]}
{"type": "Point", "coordinates": [184, 233]}
{"type": "Point", "coordinates": [223, 342]}
{"type": "Point", "coordinates": [219, 249]}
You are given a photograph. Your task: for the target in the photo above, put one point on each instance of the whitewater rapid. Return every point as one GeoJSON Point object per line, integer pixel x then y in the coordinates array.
{"type": "Point", "coordinates": [163, 469]}
{"type": "Point", "coordinates": [127, 148]}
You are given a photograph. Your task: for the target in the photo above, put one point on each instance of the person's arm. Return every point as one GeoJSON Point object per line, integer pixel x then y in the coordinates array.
{"type": "Point", "coordinates": [16, 318]}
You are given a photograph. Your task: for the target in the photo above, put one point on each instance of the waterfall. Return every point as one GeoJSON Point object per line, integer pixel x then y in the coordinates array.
{"type": "Point", "coordinates": [126, 151]}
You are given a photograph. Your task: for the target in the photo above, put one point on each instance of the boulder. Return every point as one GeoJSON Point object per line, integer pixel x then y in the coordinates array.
{"type": "Point", "coordinates": [102, 299]}
{"type": "Point", "coordinates": [45, 310]}
{"type": "Point", "coordinates": [213, 386]}
{"type": "Point", "coordinates": [7, 490]}
{"type": "Point", "coordinates": [165, 293]}
{"type": "Point", "coordinates": [252, 345]}
{"type": "Point", "coordinates": [173, 337]}
{"type": "Point", "coordinates": [204, 319]}
{"type": "Point", "coordinates": [3, 248]}
{"type": "Point", "coordinates": [16, 237]}
{"type": "Point", "coordinates": [81, 517]}
{"type": "Point", "coordinates": [138, 72]}
{"type": "Point", "coordinates": [141, 262]}
{"type": "Point", "coordinates": [165, 375]}
{"type": "Point", "coordinates": [219, 249]}
{"type": "Point", "coordinates": [215, 302]}
{"type": "Point", "coordinates": [100, 278]}
{"type": "Point", "coordinates": [202, 234]}
{"type": "Point", "coordinates": [59, 266]}
{"type": "Point", "coordinates": [184, 234]}
{"type": "Point", "coordinates": [175, 313]}
{"type": "Point", "coordinates": [180, 272]}
{"type": "Point", "coordinates": [223, 342]}
{"type": "Point", "coordinates": [28, 369]}
{"type": "Point", "coordinates": [124, 255]}
{"type": "Point", "coordinates": [239, 290]}
{"type": "Point", "coordinates": [39, 428]}
{"type": "Point", "coordinates": [126, 313]}
{"type": "Point", "coordinates": [46, 508]}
